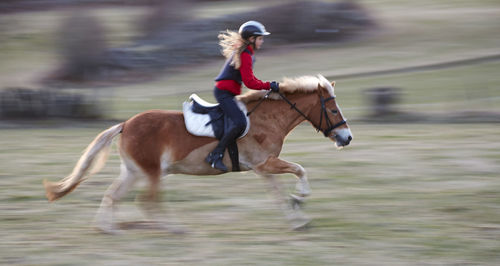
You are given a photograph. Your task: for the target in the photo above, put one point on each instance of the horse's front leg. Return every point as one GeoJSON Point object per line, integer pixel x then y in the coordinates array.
{"type": "Point", "coordinates": [274, 165]}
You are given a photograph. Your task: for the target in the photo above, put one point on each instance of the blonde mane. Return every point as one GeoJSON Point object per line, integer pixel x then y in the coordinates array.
{"type": "Point", "coordinates": [292, 85]}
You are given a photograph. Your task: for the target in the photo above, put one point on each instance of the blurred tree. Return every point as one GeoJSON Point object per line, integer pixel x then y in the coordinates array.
{"type": "Point", "coordinates": [83, 47]}
{"type": "Point", "coordinates": [163, 14]}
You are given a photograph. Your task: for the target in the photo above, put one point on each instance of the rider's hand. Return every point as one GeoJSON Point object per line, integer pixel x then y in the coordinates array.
{"type": "Point", "coordinates": [275, 86]}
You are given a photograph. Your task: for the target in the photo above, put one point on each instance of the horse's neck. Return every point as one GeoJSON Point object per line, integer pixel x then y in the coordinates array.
{"type": "Point", "coordinates": [281, 118]}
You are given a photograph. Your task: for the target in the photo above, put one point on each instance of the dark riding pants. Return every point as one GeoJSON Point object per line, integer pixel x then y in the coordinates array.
{"type": "Point", "coordinates": [237, 119]}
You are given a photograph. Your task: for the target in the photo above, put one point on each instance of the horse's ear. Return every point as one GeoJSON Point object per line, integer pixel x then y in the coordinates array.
{"type": "Point", "coordinates": [333, 83]}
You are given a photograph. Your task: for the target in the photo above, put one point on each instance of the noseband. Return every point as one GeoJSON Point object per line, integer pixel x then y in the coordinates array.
{"type": "Point", "coordinates": [329, 125]}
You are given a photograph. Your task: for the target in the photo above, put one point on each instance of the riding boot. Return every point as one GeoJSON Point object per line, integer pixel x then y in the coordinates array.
{"type": "Point", "coordinates": [215, 160]}
{"type": "Point", "coordinates": [215, 157]}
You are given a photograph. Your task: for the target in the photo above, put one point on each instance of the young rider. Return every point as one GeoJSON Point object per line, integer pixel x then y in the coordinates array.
{"type": "Point", "coordinates": [238, 48]}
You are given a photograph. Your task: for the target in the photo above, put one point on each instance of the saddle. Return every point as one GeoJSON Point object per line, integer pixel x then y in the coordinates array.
{"type": "Point", "coordinates": [206, 119]}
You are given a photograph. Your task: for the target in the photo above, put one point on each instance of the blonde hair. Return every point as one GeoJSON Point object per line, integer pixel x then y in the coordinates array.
{"type": "Point", "coordinates": [232, 45]}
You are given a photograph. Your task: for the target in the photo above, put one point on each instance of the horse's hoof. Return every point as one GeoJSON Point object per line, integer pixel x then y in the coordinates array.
{"type": "Point", "coordinates": [107, 230]}
{"type": "Point", "coordinates": [301, 225]}
{"type": "Point", "coordinates": [171, 228]}
{"type": "Point", "coordinates": [296, 201]}
{"type": "Point", "coordinates": [178, 230]}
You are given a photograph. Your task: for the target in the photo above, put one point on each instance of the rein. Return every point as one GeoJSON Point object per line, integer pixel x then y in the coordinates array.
{"type": "Point", "coordinates": [260, 101]}
{"type": "Point", "coordinates": [329, 124]}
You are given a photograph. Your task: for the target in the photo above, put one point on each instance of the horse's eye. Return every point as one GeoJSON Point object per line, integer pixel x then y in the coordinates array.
{"type": "Point", "coordinates": [334, 111]}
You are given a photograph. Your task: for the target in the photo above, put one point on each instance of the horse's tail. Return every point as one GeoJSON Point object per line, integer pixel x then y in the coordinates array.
{"type": "Point", "coordinates": [93, 158]}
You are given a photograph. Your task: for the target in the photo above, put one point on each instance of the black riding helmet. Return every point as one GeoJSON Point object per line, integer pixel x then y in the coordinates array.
{"type": "Point", "coordinates": [252, 28]}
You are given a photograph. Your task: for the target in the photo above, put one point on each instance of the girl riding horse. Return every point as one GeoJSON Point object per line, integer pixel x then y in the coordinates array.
{"type": "Point", "coordinates": [238, 48]}
{"type": "Point", "coordinates": [156, 143]}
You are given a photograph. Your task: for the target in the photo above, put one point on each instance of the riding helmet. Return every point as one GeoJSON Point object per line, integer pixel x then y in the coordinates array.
{"type": "Point", "coordinates": [252, 28]}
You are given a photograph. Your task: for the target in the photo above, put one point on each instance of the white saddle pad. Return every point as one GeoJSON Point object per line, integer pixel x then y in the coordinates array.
{"type": "Point", "coordinates": [198, 124]}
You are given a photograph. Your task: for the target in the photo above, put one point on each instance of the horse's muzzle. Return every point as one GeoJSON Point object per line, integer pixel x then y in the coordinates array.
{"type": "Point", "coordinates": [343, 137]}
{"type": "Point", "coordinates": [344, 142]}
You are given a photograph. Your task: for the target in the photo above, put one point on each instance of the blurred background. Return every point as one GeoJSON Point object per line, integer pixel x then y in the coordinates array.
{"type": "Point", "coordinates": [418, 82]}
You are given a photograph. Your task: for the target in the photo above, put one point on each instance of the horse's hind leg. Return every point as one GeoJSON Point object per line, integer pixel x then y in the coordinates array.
{"type": "Point", "coordinates": [149, 201]}
{"type": "Point", "coordinates": [104, 217]}
{"type": "Point", "coordinates": [151, 204]}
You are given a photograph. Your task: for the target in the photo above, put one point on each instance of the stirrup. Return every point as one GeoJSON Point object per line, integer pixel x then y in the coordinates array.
{"type": "Point", "coordinates": [215, 161]}
{"type": "Point", "coordinates": [219, 165]}
{"type": "Point", "coordinates": [211, 157]}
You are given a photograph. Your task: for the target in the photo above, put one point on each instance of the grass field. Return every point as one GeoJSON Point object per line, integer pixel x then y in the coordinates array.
{"type": "Point", "coordinates": [413, 194]}
{"type": "Point", "coordinates": [400, 194]}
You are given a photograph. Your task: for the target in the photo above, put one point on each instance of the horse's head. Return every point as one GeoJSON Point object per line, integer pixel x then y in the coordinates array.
{"type": "Point", "coordinates": [322, 110]}
{"type": "Point", "coordinates": [327, 116]}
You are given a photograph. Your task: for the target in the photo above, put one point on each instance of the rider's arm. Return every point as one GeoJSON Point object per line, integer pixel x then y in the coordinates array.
{"type": "Point", "coordinates": [247, 74]}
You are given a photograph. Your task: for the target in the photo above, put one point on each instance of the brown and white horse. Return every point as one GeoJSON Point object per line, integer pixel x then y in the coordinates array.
{"type": "Point", "coordinates": [156, 143]}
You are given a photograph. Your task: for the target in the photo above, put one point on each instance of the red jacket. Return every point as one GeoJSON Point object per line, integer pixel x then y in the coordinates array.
{"type": "Point", "coordinates": [247, 77]}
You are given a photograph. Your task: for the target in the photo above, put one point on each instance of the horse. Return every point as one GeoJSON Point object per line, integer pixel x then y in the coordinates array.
{"type": "Point", "coordinates": [155, 143]}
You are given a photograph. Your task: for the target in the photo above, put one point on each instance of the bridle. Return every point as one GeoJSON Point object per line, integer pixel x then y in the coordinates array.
{"type": "Point", "coordinates": [329, 125]}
